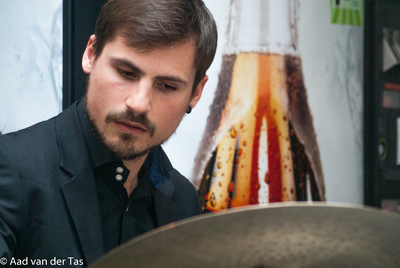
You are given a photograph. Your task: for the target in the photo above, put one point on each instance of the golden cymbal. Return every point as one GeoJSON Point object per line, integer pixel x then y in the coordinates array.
{"type": "Point", "coordinates": [280, 235]}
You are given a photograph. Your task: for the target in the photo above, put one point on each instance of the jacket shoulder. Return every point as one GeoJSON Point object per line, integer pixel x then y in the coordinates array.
{"type": "Point", "coordinates": [30, 141]}
{"type": "Point", "coordinates": [35, 147]}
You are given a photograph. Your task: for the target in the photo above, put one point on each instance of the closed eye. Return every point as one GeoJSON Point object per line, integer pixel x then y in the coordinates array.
{"type": "Point", "coordinates": [127, 74]}
{"type": "Point", "coordinates": [168, 87]}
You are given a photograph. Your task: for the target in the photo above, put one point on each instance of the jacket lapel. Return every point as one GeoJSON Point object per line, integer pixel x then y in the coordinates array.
{"type": "Point", "coordinates": [166, 209]}
{"type": "Point", "coordinates": [81, 198]}
{"type": "Point", "coordinates": [80, 191]}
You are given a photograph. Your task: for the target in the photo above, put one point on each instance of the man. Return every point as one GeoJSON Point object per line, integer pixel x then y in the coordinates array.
{"type": "Point", "coordinates": [82, 183]}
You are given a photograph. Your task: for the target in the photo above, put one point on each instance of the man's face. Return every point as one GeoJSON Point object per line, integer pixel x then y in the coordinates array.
{"type": "Point", "coordinates": [136, 100]}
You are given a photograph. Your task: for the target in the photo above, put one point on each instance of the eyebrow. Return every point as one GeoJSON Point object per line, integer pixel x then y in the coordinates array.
{"type": "Point", "coordinates": [129, 64]}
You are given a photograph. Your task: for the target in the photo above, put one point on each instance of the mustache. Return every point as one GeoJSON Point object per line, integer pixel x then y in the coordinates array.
{"type": "Point", "coordinates": [135, 118]}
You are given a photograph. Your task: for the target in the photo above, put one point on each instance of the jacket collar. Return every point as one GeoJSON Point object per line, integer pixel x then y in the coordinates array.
{"type": "Point", "coordinates": [71, 141]}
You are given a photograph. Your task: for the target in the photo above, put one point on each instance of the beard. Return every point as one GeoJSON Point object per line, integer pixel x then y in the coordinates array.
{"type": "Point", "coordinates": [124, 148]}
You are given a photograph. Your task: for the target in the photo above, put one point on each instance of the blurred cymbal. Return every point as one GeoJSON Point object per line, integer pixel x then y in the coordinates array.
{"type": "Point", "coordinates": [284, 235]}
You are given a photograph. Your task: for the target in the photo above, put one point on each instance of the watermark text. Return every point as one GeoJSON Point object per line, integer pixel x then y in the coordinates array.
{"type": "Point", "coordinates": [41, 262]}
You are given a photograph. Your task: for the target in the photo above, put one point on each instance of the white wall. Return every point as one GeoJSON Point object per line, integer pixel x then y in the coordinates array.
{"type": "Point", "coordinates": [30, 62]}
{"type": "Point", "coordinates": [333, 70]}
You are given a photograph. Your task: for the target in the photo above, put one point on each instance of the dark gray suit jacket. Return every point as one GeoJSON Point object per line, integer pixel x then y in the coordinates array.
{"type": "Point", "coordinates": [48, 200]}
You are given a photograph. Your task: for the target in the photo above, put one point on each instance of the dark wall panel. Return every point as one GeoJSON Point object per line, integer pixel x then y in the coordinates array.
{"type": "Point", "coordinates": [79, 20]}
{"type": "Point", "coordinates": [381, 170]}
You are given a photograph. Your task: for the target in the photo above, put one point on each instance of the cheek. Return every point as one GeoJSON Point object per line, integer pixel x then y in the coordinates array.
{"type": "Point", "coordinates": [171, 114]}
{"type": "Point", "coordinates": [97, 101]}
{"type": "Point", "coordinates": [103, 93]}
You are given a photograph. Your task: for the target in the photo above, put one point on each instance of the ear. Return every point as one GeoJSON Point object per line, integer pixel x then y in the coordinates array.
{"type": "Point", "coordinates": [198, 91]}
{"type": "Point", "coordinates": [88, 55]}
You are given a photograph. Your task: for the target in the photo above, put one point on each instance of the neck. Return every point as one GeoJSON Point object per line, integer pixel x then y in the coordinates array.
{"type": "Point", "coordinates": [134, 166]}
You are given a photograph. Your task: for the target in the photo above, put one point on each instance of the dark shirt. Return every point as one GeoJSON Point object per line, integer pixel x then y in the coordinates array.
{"type": "Point", "coordinates": [122, 217]}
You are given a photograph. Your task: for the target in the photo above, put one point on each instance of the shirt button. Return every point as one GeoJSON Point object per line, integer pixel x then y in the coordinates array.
{"type": "Point", "coordinates": [118, 177]}
{"type": "Point", "coordinates": [120, 170]}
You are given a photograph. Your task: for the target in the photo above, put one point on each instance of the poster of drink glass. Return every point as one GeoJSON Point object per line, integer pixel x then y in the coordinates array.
{"type": "Point", "coordinates": [281, 116]}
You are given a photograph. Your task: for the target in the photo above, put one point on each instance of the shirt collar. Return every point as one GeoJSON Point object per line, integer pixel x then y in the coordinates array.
{"type": "Point", "coordinates": [155, 164]}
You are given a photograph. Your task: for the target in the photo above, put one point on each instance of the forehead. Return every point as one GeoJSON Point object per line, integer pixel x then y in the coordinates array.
{"type": "Point", "coordinates": [123, 45]}
{"type": "Point", "coordinates": [178, 58]}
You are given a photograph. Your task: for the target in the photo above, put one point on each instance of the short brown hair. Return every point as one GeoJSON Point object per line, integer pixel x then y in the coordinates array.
{"type": "Point", "coordinates": [150, 24]}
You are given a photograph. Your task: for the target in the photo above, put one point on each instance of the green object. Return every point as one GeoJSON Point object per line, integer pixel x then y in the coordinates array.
{"type": "Point", "coordinates": [347, 12]}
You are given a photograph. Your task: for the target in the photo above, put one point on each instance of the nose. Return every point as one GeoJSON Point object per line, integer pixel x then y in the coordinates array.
{"type": "Point", "coordinates": [140, 97]}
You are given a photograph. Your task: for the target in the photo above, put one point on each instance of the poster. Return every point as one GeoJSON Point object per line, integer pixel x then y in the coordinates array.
{"type": "Point", "coordinates": [332, 65]}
